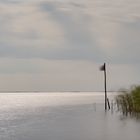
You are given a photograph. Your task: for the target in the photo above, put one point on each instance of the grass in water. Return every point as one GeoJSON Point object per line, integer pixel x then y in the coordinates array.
{"type": "Point", "coordinates": [128, 102]}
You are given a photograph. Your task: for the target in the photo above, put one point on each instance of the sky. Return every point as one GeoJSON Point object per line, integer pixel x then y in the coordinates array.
{"type": "Point", "coordinates": [59, 45]}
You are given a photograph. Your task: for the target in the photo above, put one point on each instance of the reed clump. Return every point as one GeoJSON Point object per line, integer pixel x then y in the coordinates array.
{"type": "Point", "coordinates": [128, 102]}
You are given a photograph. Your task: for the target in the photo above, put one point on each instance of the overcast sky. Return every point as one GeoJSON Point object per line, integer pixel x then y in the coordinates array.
{"type": "Point", "coordinates": [58, 45]}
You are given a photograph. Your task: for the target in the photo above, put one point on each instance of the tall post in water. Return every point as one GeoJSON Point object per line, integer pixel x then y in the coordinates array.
{"type": "Point", "coordinates": [103, 68]}
{"type": "Point", "coordinates": [105, 87]}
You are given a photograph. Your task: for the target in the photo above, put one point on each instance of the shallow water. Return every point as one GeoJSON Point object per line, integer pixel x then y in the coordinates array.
{"type": "Point", "coordinates": [62, 116]}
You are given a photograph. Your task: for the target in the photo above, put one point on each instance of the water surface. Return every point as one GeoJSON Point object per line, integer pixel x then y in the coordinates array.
{"type": "Point", "coordinates": [62, 116]}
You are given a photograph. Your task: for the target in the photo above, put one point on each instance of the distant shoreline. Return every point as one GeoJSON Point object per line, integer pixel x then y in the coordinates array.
{"type": "Point", "coordinates": [56, 91]}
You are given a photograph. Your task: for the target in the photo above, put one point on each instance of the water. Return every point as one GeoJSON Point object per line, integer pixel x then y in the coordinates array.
{"type": "Point", "coordinates": [62, 116]}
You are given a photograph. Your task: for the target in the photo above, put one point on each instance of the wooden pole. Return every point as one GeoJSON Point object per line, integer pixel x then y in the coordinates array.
{"type": "Point", "coordinates": [105, 86]}
{"type": "Point", "coordinates": [108, 104]}
{"type": "Point", "coordinates": [112, 106]}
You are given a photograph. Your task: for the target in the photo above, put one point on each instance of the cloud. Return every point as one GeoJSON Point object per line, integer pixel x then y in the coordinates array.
{"type": "Point", "coordinates": [57, 41]}
{"type": "Point", "coordinates": [30, 28]}
{"type": "Point", "coordinates": [69, 30]}
{"type": "Point", "coordinates": [23, 22]}
{"type": "Point", "coordinates": [77, 34]}
{"type": "Point", "coordinates": [100, 36]}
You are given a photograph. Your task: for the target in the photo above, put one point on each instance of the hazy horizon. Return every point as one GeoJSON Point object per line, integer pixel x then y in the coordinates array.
{"type": "Point", "coordinates": [60, 91]}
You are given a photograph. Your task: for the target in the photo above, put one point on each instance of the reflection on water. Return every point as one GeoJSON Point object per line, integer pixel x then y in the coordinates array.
{"type": "Point", "coordinates": [62, 117]}
{"type": "Point", "coordinates": [16, 100]}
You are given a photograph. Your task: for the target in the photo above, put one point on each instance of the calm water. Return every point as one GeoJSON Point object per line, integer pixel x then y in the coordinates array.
{"type": "Point", "coordinates": [62, 116]}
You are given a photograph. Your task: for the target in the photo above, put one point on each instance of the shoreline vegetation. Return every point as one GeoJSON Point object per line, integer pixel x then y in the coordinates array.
{"type": "Point", "coordinates": [128, 101]}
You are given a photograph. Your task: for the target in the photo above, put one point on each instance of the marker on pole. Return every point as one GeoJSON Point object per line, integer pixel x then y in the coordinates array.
{"type": "Point", "coordinates": [103, 68]}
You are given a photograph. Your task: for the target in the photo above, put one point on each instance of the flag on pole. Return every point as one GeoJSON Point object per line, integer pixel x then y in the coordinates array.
{"type": "Point", "coordinates": [102, 68]}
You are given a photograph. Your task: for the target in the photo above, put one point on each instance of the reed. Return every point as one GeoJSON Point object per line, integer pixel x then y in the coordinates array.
{"type": "Point", "coordinates": [128, 102]}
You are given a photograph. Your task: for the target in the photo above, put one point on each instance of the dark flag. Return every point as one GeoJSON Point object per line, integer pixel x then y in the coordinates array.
{"type": "Point", "coordinates": [102, 68]}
